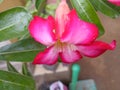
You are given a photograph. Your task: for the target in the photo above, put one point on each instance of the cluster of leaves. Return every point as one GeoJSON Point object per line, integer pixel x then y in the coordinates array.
{"type": "Point", "coordinates": [14, 23]}
{"type": "Point", "coordinates": [13, 80]}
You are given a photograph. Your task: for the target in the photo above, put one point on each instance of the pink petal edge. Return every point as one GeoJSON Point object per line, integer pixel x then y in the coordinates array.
{"type": "Point", "coordinates": [78, 31]}
{"type": "Point", "coordinates": [48, 56]}
{"type": "Point", "coordinates": [42, 30]}
{"type": "Point", "coordinates": [115, 2]}
{"type": "Point", "coordinates": [96, 48]}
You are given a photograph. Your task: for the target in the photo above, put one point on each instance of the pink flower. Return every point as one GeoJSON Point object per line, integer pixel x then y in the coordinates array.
{"type": "Point", "coordinates": [115, 2]}
{"type": "Point", "coordinates": [66, 36]}
{"type": "Point", "coordinates": [58, 86]}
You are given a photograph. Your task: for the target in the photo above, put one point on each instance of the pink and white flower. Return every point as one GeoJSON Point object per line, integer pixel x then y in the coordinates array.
{"type": "Point", "coordinates": [66, 36]}
{"type": "Point", "coordinates": [115, 2]}
{"type": "Point", "coordinates": [58, 85]}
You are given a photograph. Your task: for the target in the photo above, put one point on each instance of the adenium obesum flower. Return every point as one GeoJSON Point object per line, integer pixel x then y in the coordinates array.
{"type": "Point", "coordinates": [58, 85]}
{"type": "Point", "coordinates": [115, 2]}
{"type": "Point", "coordinates": [66, 36]}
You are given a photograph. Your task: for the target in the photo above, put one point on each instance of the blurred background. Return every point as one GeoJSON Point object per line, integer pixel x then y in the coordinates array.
{"type": "Point", "coordinates": [105, 69]}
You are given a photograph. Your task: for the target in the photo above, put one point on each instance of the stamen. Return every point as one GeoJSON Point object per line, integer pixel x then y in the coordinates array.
{"type": "Point", "coordinates": [62, 46]}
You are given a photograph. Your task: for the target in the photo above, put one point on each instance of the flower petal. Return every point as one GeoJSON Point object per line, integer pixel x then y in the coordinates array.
{"type": "Point", "coordinates": [61, 17]}
{"type": "Point", "coordinates": [58, 86]}
{"type": "Point", "coordinates": [69, 56]}
{"type": "Point", "coordinates": [115, 2]}
{"type": "Point", "coordinates": [48, 56]}
{"type": "Point", "coordinates": [42, 30]}
{"type": "Point", "coordinates": [78, 31]}
{"type": "Point", "coordinates": [96, 48]}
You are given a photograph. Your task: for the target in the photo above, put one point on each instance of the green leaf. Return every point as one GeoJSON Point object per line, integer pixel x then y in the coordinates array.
{"type": "Point", "coordinates": [101, 6]}
{"type": "Point", "coordinates": [116, 8]}
{"type": "Point", "coordinates": [40, 5]}
{"type": "Point", "coordinates": [30, 6]}
{"type": "Point", "coordinates": [24, 51]}
{"type": "Point", "coordinates": [1, 1]}
{"type": "Point", "coordinates": [11, 68]}
{"type": "Point", "coordinates": [15, 81]}
{"type": "Point", "coordinates": [50, 9]}
{"type": "Point", "coordinates": [87, 12]}
{"type": "Point", "coordinates": [25, 70]}
{"type": "Point", "coordinates": [13, 23]}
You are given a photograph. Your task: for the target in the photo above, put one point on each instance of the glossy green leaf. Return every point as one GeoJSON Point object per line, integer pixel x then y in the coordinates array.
{"type": "Point", "coordinates": [87, 12]}
{"type": "Point", "coordinates": [101, 6]}
{"type": "Point", "coordinates": [25, 70]}
{"type": "Point", "coordinates": [24, 51]}
{"type": "Point", "coordinates": [15, 81]}
{"type": "Point", "coordinates": [11, 68]}
{"type": "Point", "coordinates": [40, 4]}
{"type": "Point", "coordinates": [13, 23]}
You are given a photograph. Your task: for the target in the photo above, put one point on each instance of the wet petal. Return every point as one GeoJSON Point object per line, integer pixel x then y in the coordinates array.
{"type": "Point", "coordinates": [42, 30]}
{"type": "Point", "coordinates": [48, 56]}
{"type": "Point", "coordinates": [61, 17]}
{"type": "Point", "coordinates": [68, 55]}
{"type": "Point", "coordinates": [78, 31]}
{"type": "Point", "coordinates": [96, 48]}
{"type": "Point", "coordinates": [115, 2]}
